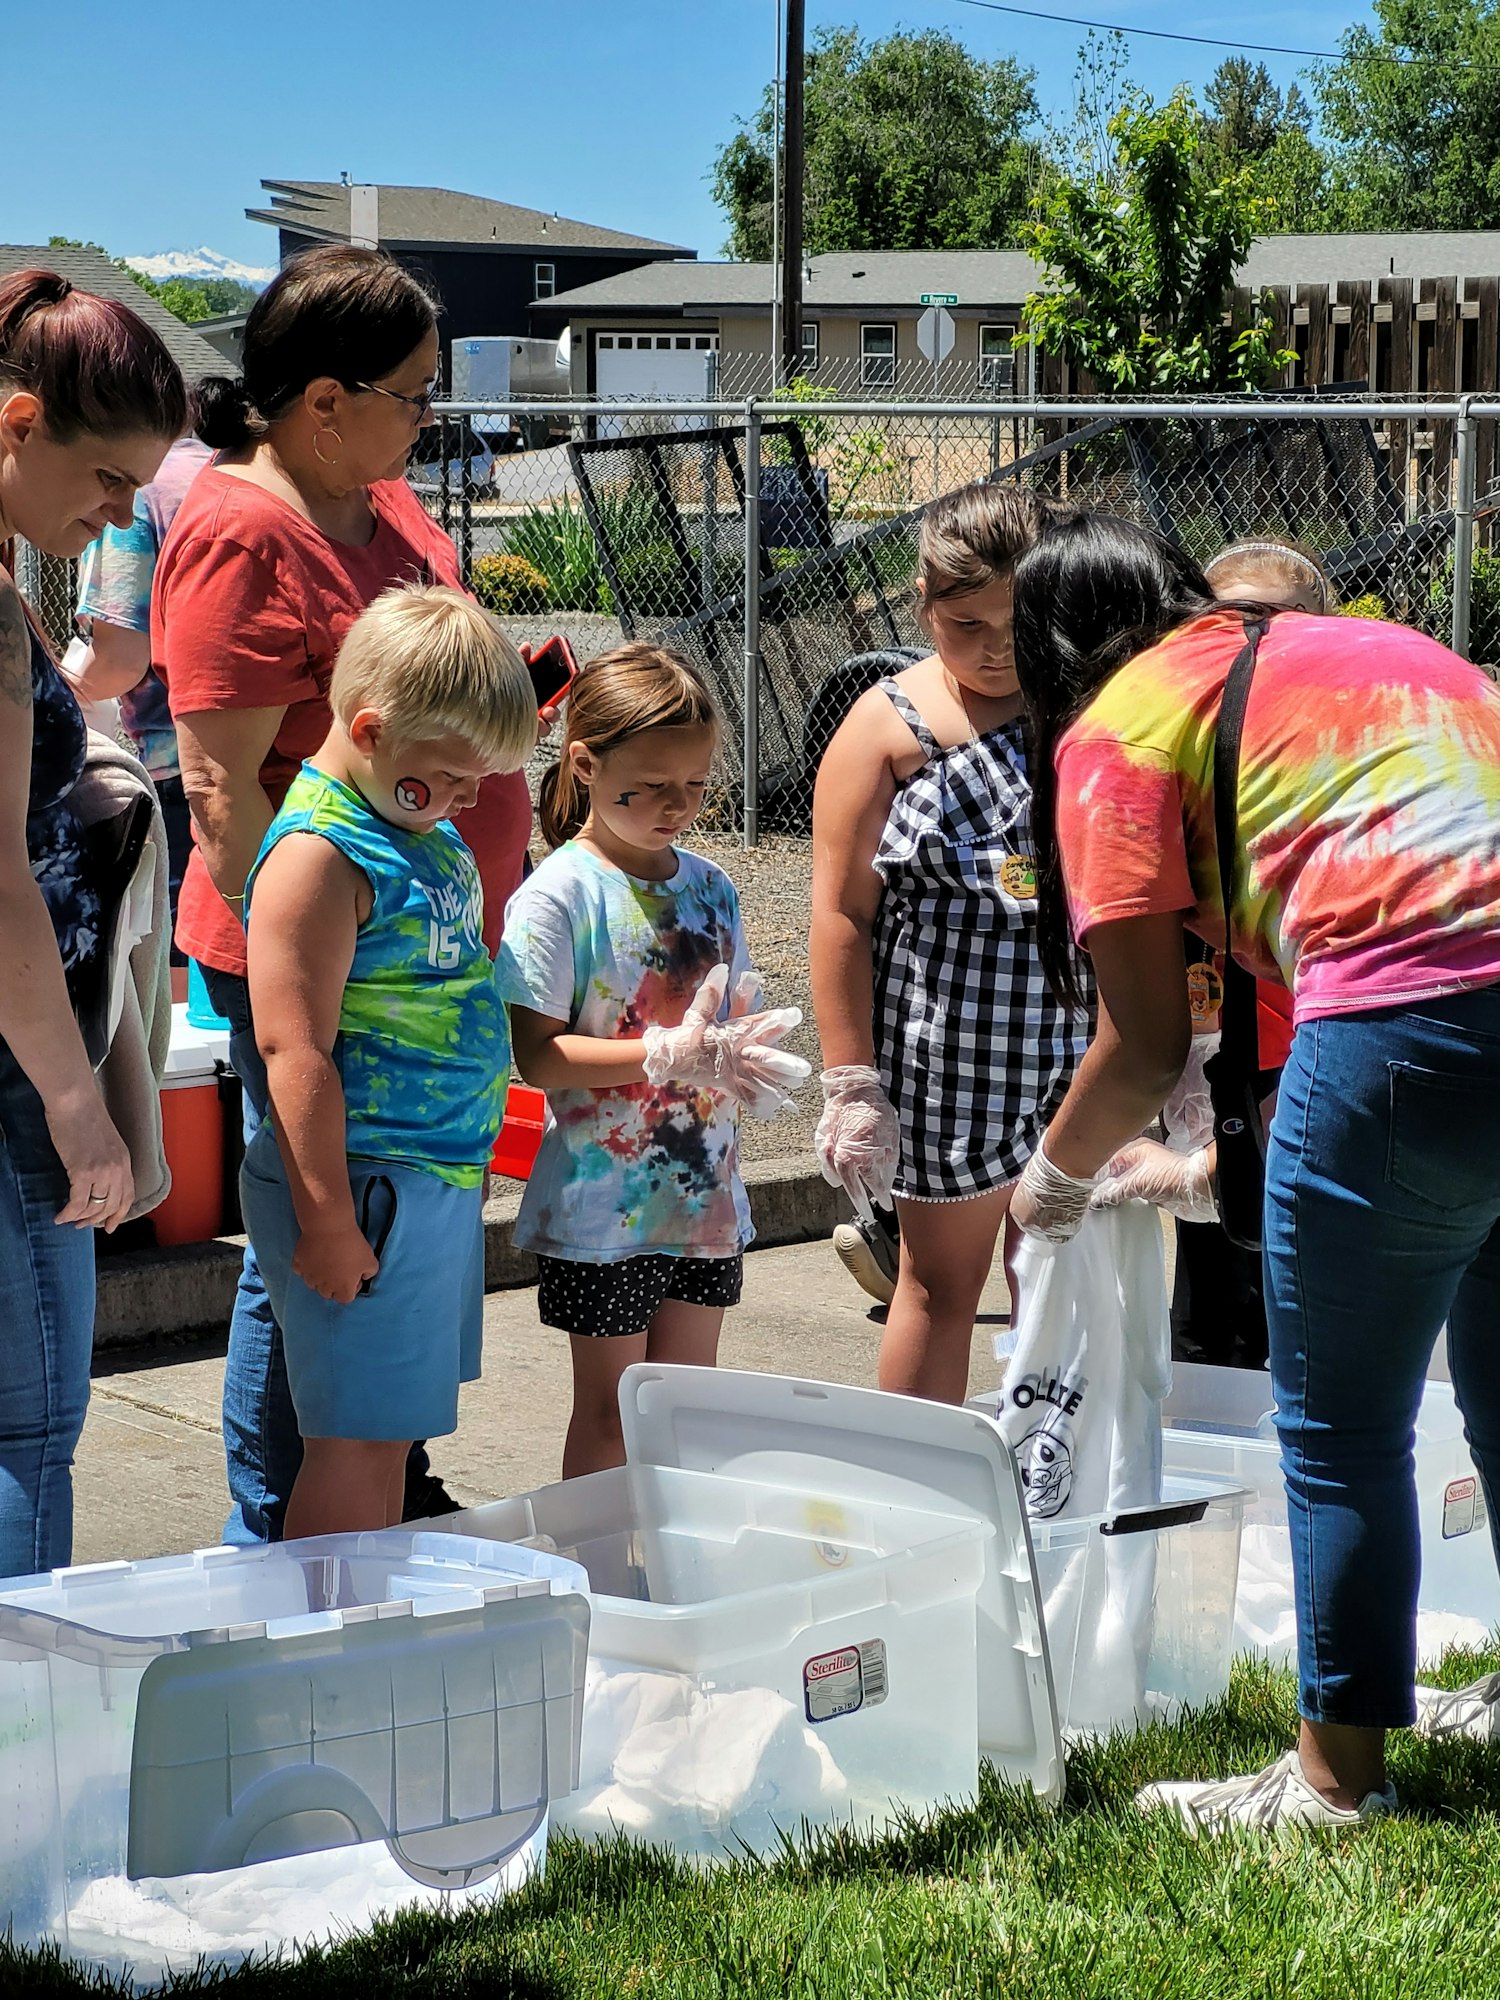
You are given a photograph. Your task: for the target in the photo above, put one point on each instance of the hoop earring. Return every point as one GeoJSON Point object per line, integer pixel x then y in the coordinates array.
{"type": "Point", "coordinates": [327, 431]}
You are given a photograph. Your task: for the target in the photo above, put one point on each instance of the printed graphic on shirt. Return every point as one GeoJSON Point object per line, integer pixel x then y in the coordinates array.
{"type": "Point", "coordinates": [1044, 1453]}
{"type": "Point", "coordinates": [639, 1167]}
{"type": "Point", "coordinates": [1368, 809]}
{"type": "Point", "coordinates": [424, 1044]}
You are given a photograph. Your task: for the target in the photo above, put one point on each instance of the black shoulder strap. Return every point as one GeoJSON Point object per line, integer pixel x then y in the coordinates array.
{"type": "Point", "coordinates": [1237, 1024]}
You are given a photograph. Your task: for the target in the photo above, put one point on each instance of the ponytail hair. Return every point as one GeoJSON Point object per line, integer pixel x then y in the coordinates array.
{"type": "Point", "coordinates": [95, 366]}
{"type": "Point", "coordinates": [620, 695]}
{"type": "Point", "coordinates": [338, 310]}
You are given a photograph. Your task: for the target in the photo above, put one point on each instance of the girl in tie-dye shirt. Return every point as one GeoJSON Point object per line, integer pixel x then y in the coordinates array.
{"type": "Point", "coordinates": [619, 955]}
{"type": "Point", "coordinates": [1367, 879]}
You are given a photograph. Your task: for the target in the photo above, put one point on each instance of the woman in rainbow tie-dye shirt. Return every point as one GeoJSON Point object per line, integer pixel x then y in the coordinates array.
{"type": "Point", "coordinates": [1368, 881]}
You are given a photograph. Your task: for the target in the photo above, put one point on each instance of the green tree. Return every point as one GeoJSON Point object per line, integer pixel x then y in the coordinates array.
{"type": "Point", "coordinates": [189, 298]}
{"type": "Point", "coordinates": [1249, 122]}
{"type": "Point", "coordinates": [1414, 142]}
{"type": "Point", "coordinates": [911, 143]}
{"type": "Point", "coordinates": [1245, 113]}
{"type": "Point", "coordinates": [1139, 258]}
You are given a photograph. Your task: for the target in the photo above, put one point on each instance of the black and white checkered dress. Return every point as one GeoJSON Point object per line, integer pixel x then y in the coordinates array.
{"type": "Point", "coordinates": [974, 1050]}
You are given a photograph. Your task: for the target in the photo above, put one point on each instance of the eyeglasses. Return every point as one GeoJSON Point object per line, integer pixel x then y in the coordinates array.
{"type": "Point", "coordinates": [419, 405]}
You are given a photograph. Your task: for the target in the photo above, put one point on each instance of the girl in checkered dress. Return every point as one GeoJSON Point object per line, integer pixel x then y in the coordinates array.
{"type": "Point", "coordinates": [946, 1050]}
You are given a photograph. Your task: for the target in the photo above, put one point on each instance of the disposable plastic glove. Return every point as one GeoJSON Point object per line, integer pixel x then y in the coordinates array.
{"type": "Point", "coordinates": [738, 1057]}
{"type": "Point", "coordinates": [1049, 1203]}
{"type": "Point", "coordinates": [858, 1140]}
{"type": "Point", "coordinates": [1181, 1183]}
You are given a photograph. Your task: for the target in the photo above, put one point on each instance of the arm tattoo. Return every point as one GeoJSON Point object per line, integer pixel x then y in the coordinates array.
{"type": "Point", "coordinates": [15, 650]}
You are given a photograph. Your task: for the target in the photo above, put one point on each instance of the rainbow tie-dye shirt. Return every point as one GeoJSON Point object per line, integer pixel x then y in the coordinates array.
{"type": "Point", "coordinates": [423, 1045]}
{"type": "Point", "coordinates": [640, 1168]}
{"type": "Point", "coordinates": [1369, 807]}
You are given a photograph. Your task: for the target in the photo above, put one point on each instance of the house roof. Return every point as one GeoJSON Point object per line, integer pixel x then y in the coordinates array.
{"type": "Point", "coordinates": [426, 217]}
{"type": "Point", "coordinates": [91, 271]}
{"type": "Point", "coordinates": [886, 280]}
{"type": "Point", "coordinates": [1421, 253]}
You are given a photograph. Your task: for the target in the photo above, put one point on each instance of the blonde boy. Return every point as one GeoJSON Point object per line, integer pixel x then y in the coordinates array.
{"type": "Point", "coordinates": [386, 1046]}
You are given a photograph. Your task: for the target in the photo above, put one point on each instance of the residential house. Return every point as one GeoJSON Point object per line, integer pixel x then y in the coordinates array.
{"type": "Point", "coordinates": [680, 329]}
{"type": "Point", "coordinates": [91, 271]}
{"type": "Point", "coordinates": [495, 267]}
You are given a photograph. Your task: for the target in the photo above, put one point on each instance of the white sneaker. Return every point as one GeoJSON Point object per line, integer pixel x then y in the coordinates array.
{"type": "Point", "coordinates": [1472, 1711]}
{"type": "Point", "coordinates": [870, 1254]}
{"type": "Point", "coordinates": [1277, 1796]}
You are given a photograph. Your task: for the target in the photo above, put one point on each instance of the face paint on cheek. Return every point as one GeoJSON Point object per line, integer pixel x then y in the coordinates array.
{"type": "Point", "coordinates": [412, 794]}
{"type": "Point", "coordinates": [625, 798]}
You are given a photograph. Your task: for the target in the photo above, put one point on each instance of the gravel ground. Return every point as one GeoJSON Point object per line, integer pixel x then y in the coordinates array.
{"type": "Point", "coordinates": [774, 881]}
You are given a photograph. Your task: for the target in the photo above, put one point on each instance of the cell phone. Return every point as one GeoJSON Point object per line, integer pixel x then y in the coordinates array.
{"type": "Point", "coordinates": [552, 668]}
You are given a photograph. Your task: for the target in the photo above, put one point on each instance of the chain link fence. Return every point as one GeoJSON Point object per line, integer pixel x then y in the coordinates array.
{"type": "Point", "coordinates": [774, 540]}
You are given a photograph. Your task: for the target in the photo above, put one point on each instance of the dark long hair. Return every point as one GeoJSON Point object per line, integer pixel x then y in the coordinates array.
{"type": "Point", "coordinates": [1090, 595]}
{"type": "Point", "coordinates": [338, 310]}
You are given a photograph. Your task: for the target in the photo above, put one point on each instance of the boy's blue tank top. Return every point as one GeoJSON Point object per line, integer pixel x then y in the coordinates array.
{"type": "Point", "coordinates": [424, 1043]}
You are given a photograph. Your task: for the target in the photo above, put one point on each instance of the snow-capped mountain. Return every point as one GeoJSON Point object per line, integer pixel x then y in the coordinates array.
{"type": "Point", "coordinates": [199, 263]}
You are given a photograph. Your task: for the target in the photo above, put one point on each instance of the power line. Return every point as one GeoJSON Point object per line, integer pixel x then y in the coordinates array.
{"type": "Point", "coordinates": [1214, 41]}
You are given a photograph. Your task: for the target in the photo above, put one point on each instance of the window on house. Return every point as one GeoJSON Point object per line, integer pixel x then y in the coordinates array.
{"type": "Point", "coordinates": [877, 357]}
{"type": "Point", "coordinates": [997, 359]}
{"type": "Point", "coordinates": [809, 343]}
{"type": "Point", "coordinates": [544, 281]}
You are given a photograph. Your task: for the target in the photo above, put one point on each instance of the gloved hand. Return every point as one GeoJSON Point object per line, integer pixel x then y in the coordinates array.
{"type": "Point", "coordinates": [738, 1057]}
{"type": "Point", "coordinates": [1181, 1183]}
{"type": "Point", "coordinates": [1049, 1203]}
{"type": "Point", "coordinates": [858, 1140]}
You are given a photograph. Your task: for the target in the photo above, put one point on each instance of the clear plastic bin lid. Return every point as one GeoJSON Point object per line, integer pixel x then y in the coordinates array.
{"type": "Point", "coordinates": [862, 1444]}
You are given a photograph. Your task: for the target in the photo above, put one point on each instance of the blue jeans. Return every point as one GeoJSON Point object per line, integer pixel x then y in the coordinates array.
{"type": "Point", "coordinates": [1382, 1203]}
{"type": "Point", "coordinates": [46, 1336]}
{"type": "Point", "coordinates": [262, 1444]}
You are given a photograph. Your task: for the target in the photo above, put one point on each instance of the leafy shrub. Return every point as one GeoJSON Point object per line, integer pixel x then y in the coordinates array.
{"type": "Point", "coordinates": [509, 583]}
{"type": "Point", "coordinates": [1367, 605]}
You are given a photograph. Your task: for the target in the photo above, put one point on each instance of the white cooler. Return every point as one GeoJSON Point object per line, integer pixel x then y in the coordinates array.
{"type": "Point", "coordinates": [812, 1605]}
{"type": "Point", "coordinates": [1218, 1423]}
{"type": "Point", "coordinates": [225, 1752]}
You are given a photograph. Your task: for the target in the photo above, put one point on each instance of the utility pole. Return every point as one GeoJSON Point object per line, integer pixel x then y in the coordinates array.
{"type": "Point", "coordinates": [791, 194]}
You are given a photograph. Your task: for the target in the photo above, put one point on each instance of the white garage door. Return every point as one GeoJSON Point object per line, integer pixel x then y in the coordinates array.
{"type": "Point", "coordinates": [653, 367]}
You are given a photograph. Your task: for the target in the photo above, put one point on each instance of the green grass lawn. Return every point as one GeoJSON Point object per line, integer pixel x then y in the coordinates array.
{"type": "Point", "coordinates": [1002, 1899]}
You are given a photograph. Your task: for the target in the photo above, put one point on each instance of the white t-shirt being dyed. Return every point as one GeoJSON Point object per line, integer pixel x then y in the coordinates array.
{"type": "Point", "coordinates": [641, 1168]}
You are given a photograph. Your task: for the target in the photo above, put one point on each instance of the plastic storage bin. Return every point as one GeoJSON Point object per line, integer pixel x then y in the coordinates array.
{"type": "Point", "coordinates": [811, 1604]}
{"type": "Point", "coordinates": [1219, 1423]}
{"type": "Point", "coordinates": [1139, 1606]}
{"type": "Point", "coordinates": [224, 1752]}
{"type": "Point", "coordinates": [192, 1122]}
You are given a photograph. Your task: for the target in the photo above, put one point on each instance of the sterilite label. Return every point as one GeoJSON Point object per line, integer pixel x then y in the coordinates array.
{"type": "Point", "coordinates": [1461, 1507]}
{"type": "Point", "coordinates": [839, 1683]}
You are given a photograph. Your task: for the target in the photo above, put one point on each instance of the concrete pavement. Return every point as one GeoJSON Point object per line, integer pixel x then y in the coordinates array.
{"type": "Point", "coordinates": [150, 1472]}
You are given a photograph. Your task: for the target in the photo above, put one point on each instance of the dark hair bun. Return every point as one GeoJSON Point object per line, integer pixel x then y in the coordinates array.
{"type": "Point", "coordinates": [226, 416]}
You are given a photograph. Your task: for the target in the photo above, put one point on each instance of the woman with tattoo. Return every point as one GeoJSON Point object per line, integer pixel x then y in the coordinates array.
{"type": "Point", "coordinates": [89, 401]}
{"type": "Point", "coordinates": [304, 518]}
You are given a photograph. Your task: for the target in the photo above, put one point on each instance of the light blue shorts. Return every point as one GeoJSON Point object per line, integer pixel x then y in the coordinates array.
{"type": "Point", "coordinates": [388, 1365]}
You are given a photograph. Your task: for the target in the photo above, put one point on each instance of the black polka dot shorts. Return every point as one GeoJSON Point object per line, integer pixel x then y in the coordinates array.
{"type": "Point", "coordinates": [606, 1299]}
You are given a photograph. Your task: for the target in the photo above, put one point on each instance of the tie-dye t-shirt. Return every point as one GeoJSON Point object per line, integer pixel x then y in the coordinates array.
{"type": "Point", "coordinates": [423, 1046]}
{"type": "Point", "coordinates": [641, 1168]}
{"type": "Point", "coordinates": [1369, 807]}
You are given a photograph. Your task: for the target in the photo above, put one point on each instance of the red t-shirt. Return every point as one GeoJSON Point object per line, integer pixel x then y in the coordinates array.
{"type": "Point", "coordinates": [248, 609]}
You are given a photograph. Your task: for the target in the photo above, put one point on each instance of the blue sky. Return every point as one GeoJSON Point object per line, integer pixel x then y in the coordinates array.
{"type": "Point", "coordinates": [150, 128]}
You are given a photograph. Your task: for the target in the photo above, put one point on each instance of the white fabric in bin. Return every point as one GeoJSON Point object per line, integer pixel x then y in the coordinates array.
{"type": "Point", "coordinates": [1080, 1406]}
{"type": "Point", "coordinates": [660, 1747]}
{"type": "Point", "coordinates": [191, 1712]}
{"type": "Point", "coordinates": [863, 1445]}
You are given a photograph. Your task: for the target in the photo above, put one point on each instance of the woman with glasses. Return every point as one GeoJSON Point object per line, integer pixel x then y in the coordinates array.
{"type": "Point", "coordinates": [303, 518]}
